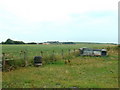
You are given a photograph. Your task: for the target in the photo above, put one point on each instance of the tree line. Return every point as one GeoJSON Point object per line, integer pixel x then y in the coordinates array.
{"type": "Point", "coordinates": [9, 41]}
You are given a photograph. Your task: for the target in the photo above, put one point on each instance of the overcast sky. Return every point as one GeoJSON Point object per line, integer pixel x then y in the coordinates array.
{"type": "Point", "coordinates": [59, 20]}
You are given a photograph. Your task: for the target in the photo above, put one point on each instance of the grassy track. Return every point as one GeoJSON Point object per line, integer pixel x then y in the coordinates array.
{"type": "Point", "coordinates": [82, 72]}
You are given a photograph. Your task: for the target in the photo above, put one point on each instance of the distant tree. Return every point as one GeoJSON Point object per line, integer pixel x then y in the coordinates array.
{"type": "Point", "coordinates": [32, 43]}
{"type": "Point", "coordinates": [2, 42]}
{"type": "Point", "coordinates": [68, 43]}
{"type": "Point", "coordinates": [19, 42]}
{"type": "Point", "coordinates": [9, 41]}
{"type": "Point", "coordinates": [53, 42]}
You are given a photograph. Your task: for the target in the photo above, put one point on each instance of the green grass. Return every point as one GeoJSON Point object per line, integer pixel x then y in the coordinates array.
{"type": "Point", "coordinates": [14, 51]}
{"type": "Point", "coordinates": [88, 72]}
{"type": "Point", "coordinates": [82, 72]}
{"type": "Point", "coordinates": [36, 49]}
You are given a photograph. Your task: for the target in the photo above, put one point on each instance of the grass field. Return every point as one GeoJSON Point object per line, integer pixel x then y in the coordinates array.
{"type": "Point", "coordinates": [82, 72]}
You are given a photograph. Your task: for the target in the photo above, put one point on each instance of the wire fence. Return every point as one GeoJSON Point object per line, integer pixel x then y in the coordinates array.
{"type": "Point", "coordinates": [25, 58]}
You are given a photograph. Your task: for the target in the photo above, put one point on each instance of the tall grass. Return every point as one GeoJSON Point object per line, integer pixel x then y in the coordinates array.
{"type": "Point", "coordinates": [82, 72]}
{"type": "Point", "coordinates": [16, 52]}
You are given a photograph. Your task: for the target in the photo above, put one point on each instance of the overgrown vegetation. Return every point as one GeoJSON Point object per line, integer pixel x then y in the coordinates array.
{"type": "Point", "coordinates": [82, 72]}
{"type": "Point", "coordinates": [50, 53]}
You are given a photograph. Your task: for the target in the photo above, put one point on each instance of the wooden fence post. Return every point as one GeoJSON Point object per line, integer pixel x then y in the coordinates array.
{"type": "Point", "coordinates": [74, 51]}
{"type": "Point", "coordinates": [25, 58]}
{"type": "Point", "coordinates": [3, 61]}
{"type": "Point", "coordinates": [69, 51]}
{"type": "Point", "coordinates": [21, 54]}
{"type": "Point", "coordinates": [62, 54]}
{"type": "Point", "coordinates": [53, 56]}
{"type": "Point", "coordinates": [41, 53]}
{"type": "Point", "coordinates": [53, 52]}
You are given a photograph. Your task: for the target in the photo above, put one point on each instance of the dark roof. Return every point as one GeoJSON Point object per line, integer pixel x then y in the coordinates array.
{"type": "Point", "coordinates": [97, 49]}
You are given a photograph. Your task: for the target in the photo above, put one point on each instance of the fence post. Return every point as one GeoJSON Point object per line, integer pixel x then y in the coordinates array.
{"type": "Point", "coordinates": [3, 60]}
{"type": "Point", "coordinates": [25, 58]}
{"type": "Point", "coordinates": [74, 51]}
{"type": "Point", "coordinates": [53, 52]}
{"type": "Point", "coordinates": [21, 54]}
{"type": "Point", "coordinates": [53, 55]}
{"type": "Point", "coordinates": [41, 53]}
{"type": "Point", "coordinates": [62, 54]}
{"type": "Point", "coordinates": [69, 51]}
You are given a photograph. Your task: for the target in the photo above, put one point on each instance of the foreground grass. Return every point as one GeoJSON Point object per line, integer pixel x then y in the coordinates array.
{"type": "Point", "coordinates": [82, 72]}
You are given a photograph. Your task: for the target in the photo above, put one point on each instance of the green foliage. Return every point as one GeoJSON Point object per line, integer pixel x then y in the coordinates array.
{"type": "Point", "coordinates": [19, 42]}
{"type": "Point", "coordinates": [9, 41]}
{"type": "Point", "coordinates": [32, 43]}
{"type": "Point", "coordinates": [68, 43]}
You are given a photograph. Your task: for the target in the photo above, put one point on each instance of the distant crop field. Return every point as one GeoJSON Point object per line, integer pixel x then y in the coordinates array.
{"type": "Point", "coordinates": [81, 72]}
{"type": "Point", "coordinates": [33, 50]}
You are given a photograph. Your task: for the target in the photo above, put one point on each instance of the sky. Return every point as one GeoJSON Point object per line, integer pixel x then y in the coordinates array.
{"type": "Point", "coordinates": [59, 20]}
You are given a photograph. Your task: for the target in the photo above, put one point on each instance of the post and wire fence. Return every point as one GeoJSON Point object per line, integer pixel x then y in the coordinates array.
{"type": "Point", "coordinates": [48, 57]}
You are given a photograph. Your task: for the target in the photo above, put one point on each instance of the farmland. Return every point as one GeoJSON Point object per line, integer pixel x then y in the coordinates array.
{"type": "Point", "coordinates": [82, 72]}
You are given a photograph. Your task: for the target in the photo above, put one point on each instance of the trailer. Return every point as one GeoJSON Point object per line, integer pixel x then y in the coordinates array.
{"type": "Point", "coordinates": [92, 52]}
